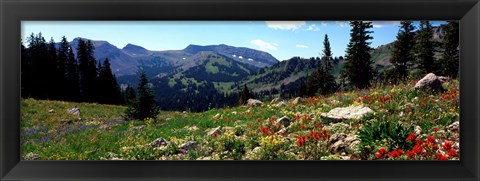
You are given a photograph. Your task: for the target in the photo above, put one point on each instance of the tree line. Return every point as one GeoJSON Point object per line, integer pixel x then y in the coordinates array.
{"type": "Point", "coordinates": [53, 71]}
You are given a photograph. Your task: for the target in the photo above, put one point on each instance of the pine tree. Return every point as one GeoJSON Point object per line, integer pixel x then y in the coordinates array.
{"type": "Point", "coordinates": [72, 77]}
{"type": "Point", "coordinates": [39, 57]}
{"type": "Point", "coordinates": [62, 59]}
{"type": "Point", "coordinates": [53, 74]}
{"type": "Point", "coordinates": [402, 53]}
{"type": "Point", "coordinates": [144, 106]}
{"type": "Point", "coordinates": [327, 58]}
{"type": "Point", "coordinates": [110, 92]}
{"type": "Point", "coordinates": [358, 66]}
{"type": "Point", "coordinates": [130, 95]}
{"type": "Point", "coordinates": [244, 95]}
{"type": "Point", "coordinates": [424, 48]}
{"type": "Point", "coordinates": [26, 72]}
{"type": "Point", "coordinates": [450, 61]}
{"type": "Point", "coordinates": [87, 70]}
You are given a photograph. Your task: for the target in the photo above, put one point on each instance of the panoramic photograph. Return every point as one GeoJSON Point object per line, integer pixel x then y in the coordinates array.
{"type": "Point", "coordinates": [240, 90]}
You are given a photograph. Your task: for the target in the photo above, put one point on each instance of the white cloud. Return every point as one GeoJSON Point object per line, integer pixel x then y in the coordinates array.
{"type": "Point", "coordinates": [342, 24]}
{"type": "Point", "coordinates": [275, 44]}
{"type": "Point", "coordinates": [313, 27]}
{"type": "Point", "coordinates": [285, 25]}
{"type": "Point", "coordinates": [381, 24]}
{"type": "Point", "coordinates": [323, 23]}
{"type": "Point", "coordinates": [262, 45]}
{"type": "Point", "coordinates": [301, 46]}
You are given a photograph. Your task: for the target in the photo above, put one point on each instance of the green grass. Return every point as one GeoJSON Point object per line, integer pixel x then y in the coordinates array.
{"type": "Point", "coordinates": [99, 135]}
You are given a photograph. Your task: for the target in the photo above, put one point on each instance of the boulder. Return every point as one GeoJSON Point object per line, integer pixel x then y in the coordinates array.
{"type": "Point", "coordinates": [159, 142]}
{"type": "Point", "coordinates": [51, 111]}
{"type": "Point", "coordinates": [31, 156]}
{"type": "Point", "coordinates": [430, 81]}
{"type": "Point", "coordinates": [454, 126]}
{"type": "Point", "coordinates": [297, 101]}
{"type": "Point", "coordinates": [352, 112]}
{"type": "Point", "coordinates": [340, 142]}
{"type": "Point", "coordinates": [254, 103]}
{"type": "Point", "coordinates": [136, 128]}
{"type": "Point", "coordinates": [276, 101]}
{"type": "Point", "coordinates": [418, 130]}
{"type": "Point", "coordinates": [193, 128]}
{"type": "Point", "coordinates": [280, 104]}
{"type": "Point", "coordinates": [187, 146]}
{"type": "Point", "coordinates": [215, 130]}
{"type": "Point", "coordinates": [217, 116]}
{"type": "Point", "coordinates": [75, 111]}
{"type": "Point", "coordinates": [284, 121]}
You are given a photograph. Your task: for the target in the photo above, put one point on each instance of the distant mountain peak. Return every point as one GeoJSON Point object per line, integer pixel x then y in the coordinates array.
{"type": "Point", "coordinates": [135, 49]}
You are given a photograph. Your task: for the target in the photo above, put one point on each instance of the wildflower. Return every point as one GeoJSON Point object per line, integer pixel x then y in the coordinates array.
{"type": "Point", "coordinates": [318, 125]}
{"type": "Point", "coordinates": [410, 154]}
{"type": "Point", "coordinates": [435, 129]}
{"type": "Point", "coordinates": [430, 140]}
{"type": "Point", "coordinates": [382, 151]}
{"type": "Point", "coordinates": [447, 145]}
{"type": "Point", "coordinates": [215, 134]}
{"type": "Point", "coordinates": [417, 149]}
{"type": "Point", "coordinates": [452, 153]}
{"type": "Point", "coordinates": [302, 126]}
{"type": "Point", "coordinates": [412, 137]}
{"type": "Point", "coordinates": [440, 156]}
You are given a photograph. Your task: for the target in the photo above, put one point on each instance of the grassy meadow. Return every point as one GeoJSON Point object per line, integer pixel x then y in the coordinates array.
{"type": "Point", "coordinates": [407, 124]}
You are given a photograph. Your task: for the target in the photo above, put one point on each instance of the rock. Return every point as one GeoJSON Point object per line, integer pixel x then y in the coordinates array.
{"type": "Point", "coordinates": [284, 121]}
{"type": "Point", "coordinates": [352, 112]}
{"type": "Point", "coordinates": [217, 116]}
{"type": "Point", "coordinates": [159, 142]}
{"type": "Point", "coordinates": [75, 111]}
{"type": "Point", "coordinates": [51, 111]}
{"type": "Point", "coordinates": [297, 101]}
{"type": "Point", "coordinates": [193, 128]}
{"type": "Point", "coordinates": [137, 128]}
{"type": "Point", "coordinates": [283, 131]}
{"type": "Point", "coordinates": [280, 104]}
{"type": "Point", "coordinates": [215, 130]}
{"type": "Point", "coordinates": [430, 81]}
{"type": "Point", "coordinates": [204, 158]}
{"type": "Point", "coordinates": [443, 79]}
{"type": "Point", "coordinates": [418, 130]}
{"type": "Point", "coordinates": [276, 101]}
{"type": "Point", "coordinates": [255, 154]}
{"type": "Point", "coordinates": [187, 146]}
{"type": "Point", "coordinates": [340, 142]}
{"type": "Point", "coordinates": [31, 156]}
{"type": "Point", "coordinates": [254, 103]}
{"type": "Point", "coordinates": [454, 126]}
{"type": "Point", "coordinates": [66, 121]}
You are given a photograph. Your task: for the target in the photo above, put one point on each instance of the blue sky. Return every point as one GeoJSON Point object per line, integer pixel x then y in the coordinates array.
{"type": "Point", "coordinates": [282, 39]}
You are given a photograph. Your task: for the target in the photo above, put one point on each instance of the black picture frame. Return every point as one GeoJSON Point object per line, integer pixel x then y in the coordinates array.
{"type": "Point", "coordinates": [12, 12]}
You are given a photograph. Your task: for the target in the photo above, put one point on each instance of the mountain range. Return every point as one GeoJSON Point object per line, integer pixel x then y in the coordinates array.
{"type": "Point", "coordinates": [198, 76]}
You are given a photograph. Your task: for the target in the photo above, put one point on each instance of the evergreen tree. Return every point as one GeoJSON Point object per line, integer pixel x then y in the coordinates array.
{"type": "Point", "coordinates": [327, 59]}
{"type": "Point", "coordinates": [450, 61]}
{"type": "Point", "coordinates": [53, 74]}
{"type": "Point", "coordinates": [87, 70]}
{"type": "Point", "coordinates": [72, 77]}
{"type": "Point", "coordinates": [130, 95]}
{"type": "Point", "coordinates": [110, 93]}
{"type": "Point", "coordinates": [62, 59]}
{"type": "Point", "coordinates": [358, 66]}
{"type": "Point", "coordinates": [26, 72]}
{"type": "Point", "coordinates": [144, 106]}
{"type": "Point", "coordinates": [244, 95]}
{"type": "Point", "coordinates": [424, 48]}
{"type": "Point", "coordinates": [39, 57]}
{"type": "Point", "coordinates": [402, 53]}
{"type": "Point", "coordinates": [302, 90]}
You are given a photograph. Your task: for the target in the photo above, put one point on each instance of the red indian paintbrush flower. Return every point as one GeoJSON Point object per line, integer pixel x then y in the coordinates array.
{"type": "Point", "coordinates": [452, 153]}
{"type": "Point", "coordinates": [412, 137]}
{"type": "Point", "coordinates": [447, 145]}
{"type": "Point", "coordinates": [440, 156]}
